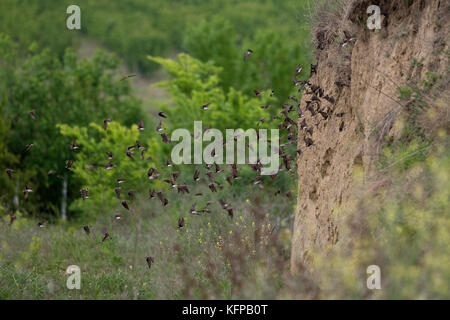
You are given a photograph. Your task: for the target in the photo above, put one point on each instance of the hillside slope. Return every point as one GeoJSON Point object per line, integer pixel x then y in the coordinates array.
{"type": "Point", "coordinates": [363, 77]}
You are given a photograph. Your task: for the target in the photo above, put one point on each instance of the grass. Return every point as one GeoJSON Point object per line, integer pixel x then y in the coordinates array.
{"type": "Point", "coordinates": [33, 265]}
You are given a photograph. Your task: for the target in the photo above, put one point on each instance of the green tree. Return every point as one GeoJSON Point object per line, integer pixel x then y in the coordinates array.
{"type": "Point", "coordinates": [272, 64]}
{"type": "Point", "coordinates": [195, 83]}
{"type": "Point", "coordinates": [69, 91]}
{"type": "Point", "coordinates": [90, 161]}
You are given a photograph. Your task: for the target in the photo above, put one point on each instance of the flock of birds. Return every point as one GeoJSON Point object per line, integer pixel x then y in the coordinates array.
{"type": "Point", "coordinates": [314, 105]}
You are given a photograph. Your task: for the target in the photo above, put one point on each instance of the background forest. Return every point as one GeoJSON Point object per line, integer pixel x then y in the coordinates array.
{"type": "Point", "coordinates": [57, 85]}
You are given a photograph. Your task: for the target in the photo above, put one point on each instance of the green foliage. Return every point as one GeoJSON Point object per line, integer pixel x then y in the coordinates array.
{"type": "Point", "coordinates": [196, 83]}
{"type": "Point", "coordinates": [95, 142]}
{"type": "Point", "coordinates": [69, 91]}
{"type": "Point", "coordinates": [271, 65]}
{"type": "Point", "coordinates": [41, 23]}
{"type": "Point", "coordinates": [135, 28]}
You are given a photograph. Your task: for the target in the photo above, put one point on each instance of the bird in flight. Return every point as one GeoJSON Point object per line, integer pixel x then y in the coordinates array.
{"type": "Point", "coordinates": [128, 76]}
{"type": "Point", "coordinates": [205, 106]}
{"type": "Point", "coordinates": [117, 191]}
{"type": "Point", "coordinates": [105, 123]}
{"type": "Point", "coordinates": [9, 172]}
{"type": "Point", "coordinates": [84, 194]}
{"type": "Point", "coordinates": [248, 54]}
{"type": "Point", "coordinates": [125, 205]}
{"type": "Point", "coordinates": [32, 114]}
{"type": "Point", "coordinates": [73, 145]}
{"type": "Point", "coordinates": [149, 260]}
{"type": "Point", "coordinates": [180, 223]}
{"type": "Point", "coordinates": [105, 236]}
{"type": "Point", "coordinates": [141, 125]}
{"type": "Point", "coordinates": [28, 147]}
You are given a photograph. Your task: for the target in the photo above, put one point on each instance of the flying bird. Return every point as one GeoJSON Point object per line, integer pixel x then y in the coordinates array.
{"type": "Point", "coordinates": [164, 137]}
{"type": "Point", "coordinates": [248, 54]}
{"type": "Point", "coordinates": [159, 127]}
{"type": "Point", "coordinates": [109, 166]}
{"type": "Point", "coordinates": [192, 210]}
{"type": "Point", "coordinates": [141, 125]}
{"type": "Point", "coordinates": [152, 174]}
{"type": "Point", "coordinates": [105, 123]}
{"type": "Point", "coordinates": [163, 200]}
{"type": "Point", "coordinates": [12, 218]}
{"type": "Point", "coordinates": [149, 260]}
{"type": "Point", "coordinates": [180, 223]}
{"type": "Point", "coordinates": [26, 191]}
{"type": "Point", "coordinates": [28, 147]}
{"type": "Point", "coordinates": [105, 236]}
{"type": "Point", "coordinates": [205, 106]}
{"type": "Point", "coordinates": [73, 145]}
{"type": "Point", "coordinates": [162, 114]}
{"type": "Point", "coordinates": [32, 114]}
{"type": "Point", "coordinates": [84, 194]}
{"type": "Point", "coordinates": [125, 205]}
{"type": "Point", "coordinates": [9, 172]}
{"type": "Point", "coordinates": [212, 187]}
{"type": "Point", "coordinates": [128, 76]}
{"type": "Point", "coordinates": [196, 175]}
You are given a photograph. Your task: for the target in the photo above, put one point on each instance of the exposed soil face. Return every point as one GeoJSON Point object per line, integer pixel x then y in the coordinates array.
{"type": "Point", "coordinates": [362, 77]}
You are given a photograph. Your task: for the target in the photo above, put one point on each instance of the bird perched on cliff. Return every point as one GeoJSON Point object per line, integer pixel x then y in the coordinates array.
{"type": "Point", "coordinates": [308, 141]}
{"type": "Point", "coordinates": [348, 38]}
{"type": "Point", "coordinates": [314, 69]}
